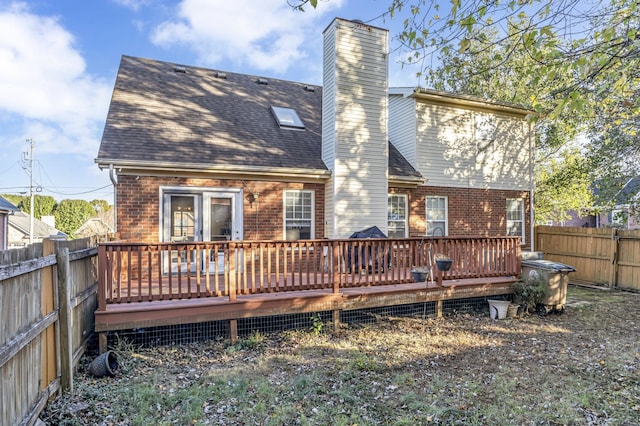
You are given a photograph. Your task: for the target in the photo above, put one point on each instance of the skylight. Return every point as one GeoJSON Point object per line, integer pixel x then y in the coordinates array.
{"type": "Point", "coordinates": [287, 117]}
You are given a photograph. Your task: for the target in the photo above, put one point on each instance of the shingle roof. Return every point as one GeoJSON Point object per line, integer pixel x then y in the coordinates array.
{"type": "Point", "coordinates": [158, 115]}
{"type": "Point", "coordinates": [197, 119]}
{"type": "Point", "coordinates": [6, 206]}
{"type": "Point", "coordinates": [21, 221]}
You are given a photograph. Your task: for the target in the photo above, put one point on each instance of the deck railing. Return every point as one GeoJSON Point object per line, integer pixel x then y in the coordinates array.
{"type": "Point", "coordinates": [136, 272]}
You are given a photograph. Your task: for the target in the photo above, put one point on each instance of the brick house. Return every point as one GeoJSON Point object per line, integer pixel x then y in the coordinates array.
{"type": "Point", "coordinates": [201, 154]}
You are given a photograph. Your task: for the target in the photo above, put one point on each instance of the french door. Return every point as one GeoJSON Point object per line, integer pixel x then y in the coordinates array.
{"type": "Point", "coordinates": [200, 215]}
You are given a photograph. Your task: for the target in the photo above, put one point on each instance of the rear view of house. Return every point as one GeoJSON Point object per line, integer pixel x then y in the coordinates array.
{"type": "Point", "coordinates": [204, 155]}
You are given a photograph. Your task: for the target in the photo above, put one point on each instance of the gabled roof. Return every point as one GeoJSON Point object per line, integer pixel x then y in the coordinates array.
{"type": "Point", "coordinates": [20, 221]}
{"type": "Point", "coordinates": [629, 192]}
{"type": "Point", "coordinates": [6, 206]}
{"type": "Point", "coordinates": [165, 116]}
{"type": "Point", "coordinates": [185, 117]}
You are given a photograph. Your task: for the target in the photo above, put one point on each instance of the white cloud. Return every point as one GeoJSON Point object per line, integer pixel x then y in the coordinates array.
{"type": "Point", "coordinates": [44, 83]}
{"type": "Point", "coordinates": [134, 5]}
{"type": "Point", "coordinates": [265, 34]}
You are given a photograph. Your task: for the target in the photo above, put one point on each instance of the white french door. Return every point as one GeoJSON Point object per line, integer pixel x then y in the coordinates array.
{"type": "Point", "coordinates": [199, 214]}
{"type": "Point", "coordinates": [222, 221]}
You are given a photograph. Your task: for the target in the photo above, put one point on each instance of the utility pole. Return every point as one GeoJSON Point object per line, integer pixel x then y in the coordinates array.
{"type": "Point", "coordinates": [31, 202]}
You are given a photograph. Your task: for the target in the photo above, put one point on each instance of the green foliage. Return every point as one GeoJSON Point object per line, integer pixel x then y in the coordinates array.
{"type": "Point", "coordinates": [71, 214]}
{"type": "Point", "coordinates": [100, 206]}
{"type": "Point", "coordinates": [563, 184]}
{"type": "Point", "coordinates": [316, 324]}
{"type": "Point", "coordinates": [44, 205]}
{"type": "Point", "coordinates": [531, 291]}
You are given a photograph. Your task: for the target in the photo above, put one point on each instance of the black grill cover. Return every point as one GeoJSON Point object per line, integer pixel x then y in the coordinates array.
{"type": "Point", "coordinates": [372, 232]}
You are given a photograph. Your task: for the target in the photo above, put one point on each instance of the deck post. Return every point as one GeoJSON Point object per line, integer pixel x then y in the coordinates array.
{"type": "Point", "coordinates": [439, 308]}
{"type": "Point", "coordinates": [336, 319]}
{"type": "Point", "coordinates": [102, 342]}
{"type": "Point", "coordinates": [231, 273]}
{"type": "Point", "coordinates": [233, 331]}
{"type": "Point", "coordinates": [336, 266]}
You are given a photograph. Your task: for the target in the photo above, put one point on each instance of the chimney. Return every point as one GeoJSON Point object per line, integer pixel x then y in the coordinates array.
{"type": "Point", "coordinates": [354, 126]}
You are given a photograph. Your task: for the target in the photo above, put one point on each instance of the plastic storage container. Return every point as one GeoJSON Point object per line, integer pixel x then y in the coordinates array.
{"type": "Point", "coordinates": [556, 276]}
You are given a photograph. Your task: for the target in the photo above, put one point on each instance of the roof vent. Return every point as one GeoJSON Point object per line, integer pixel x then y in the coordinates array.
{"type": "Point", "coordinates": [309, 88]}
{"type": "Point", "coordinates": [180, 69]}
{"type": "Point", "coordinates": [221, 74]}
{"type": "Point", "coordinates": [262, 81]}
{"type": "Point", "coordinates": [357, 21]}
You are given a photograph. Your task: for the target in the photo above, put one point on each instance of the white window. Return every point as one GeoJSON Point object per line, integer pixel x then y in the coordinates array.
{"type": "Point", "coordinates": [298, 215]}
{"type": "Point", "coordinates": [397, 216]}
{"type": "Point", "coordinates": [437, 216]}
{"type": "Point", "coordinates": [618, 217]}
{"type": "Point", "coordinates": [515, 217]}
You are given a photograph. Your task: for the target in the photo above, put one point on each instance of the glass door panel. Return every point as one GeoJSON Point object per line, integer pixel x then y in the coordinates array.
{"type": "Point", "coordinates": [181, 225]}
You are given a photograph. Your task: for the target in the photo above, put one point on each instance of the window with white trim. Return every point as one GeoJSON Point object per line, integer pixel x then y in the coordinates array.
{"type": "Point", "coordinates": [436, 214]}
{"type": "Point", "coordinates": [298, 215]}
{"type": "Point", "coordinates": [515, 217]}
{"type": "Point", "coordinates": [397, 216]}
{"type": "Point", "coordinates": [618, 217]}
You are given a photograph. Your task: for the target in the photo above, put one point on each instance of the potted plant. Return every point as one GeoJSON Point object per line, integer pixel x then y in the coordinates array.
{"type": "Point", "coordinates": [443, 262]}
{"type": "Point", "coordinates": [419, 274]}
{"type": "Point", "coordinates": [530, 293]}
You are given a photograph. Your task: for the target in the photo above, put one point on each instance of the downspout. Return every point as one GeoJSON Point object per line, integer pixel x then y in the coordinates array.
{"type": "Point", "coordinates": [114, 181]}
{"type": "Point", "coordinates": [532, 186]}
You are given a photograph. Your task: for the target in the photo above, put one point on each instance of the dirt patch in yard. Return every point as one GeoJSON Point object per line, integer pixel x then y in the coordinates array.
{"type": "Point", "coordinates": [582, 367]}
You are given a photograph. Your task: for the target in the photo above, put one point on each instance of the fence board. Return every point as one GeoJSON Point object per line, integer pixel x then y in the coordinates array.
{"type": "Point", "coordinates": [601, 256]}
{"type": "Point", "coordinates": [29, 318]}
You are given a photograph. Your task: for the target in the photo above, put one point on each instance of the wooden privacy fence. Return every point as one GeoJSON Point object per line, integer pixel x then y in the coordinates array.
{"type": "Point", "coordinates": [47, 304]}
{"type": "Point", "coordinates": [602, 256]}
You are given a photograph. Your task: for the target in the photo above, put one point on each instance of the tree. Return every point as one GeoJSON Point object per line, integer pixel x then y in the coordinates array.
{"type": "Point", "coordinates": [71, 214]}
{"type": "Point", "coordinates": [44, 205]}
{"type": "Point", "coordinates": [563, 184]}
{"type": "Point", "coordinates": [100, 206]}
{"type": "Point", "coordinates": [595, 43]}
{"type": "Point", "coordinates": [576, 62]}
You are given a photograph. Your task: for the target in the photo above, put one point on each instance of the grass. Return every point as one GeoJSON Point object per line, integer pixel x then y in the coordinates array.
{"type": "Point", "coordinates": [582, 367]}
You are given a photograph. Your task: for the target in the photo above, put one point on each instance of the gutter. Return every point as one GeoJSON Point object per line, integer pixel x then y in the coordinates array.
{"type": "Point", "coordinates": [197, 168]}
{"type": "Point", "coordinates": [114, 181]}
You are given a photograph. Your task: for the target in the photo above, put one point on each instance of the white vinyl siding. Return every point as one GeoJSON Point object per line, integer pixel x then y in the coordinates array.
{"type": "Point", "coordinates": [402, 126]}
{"type": "Point", "coordinates": [397, 216]}
{"type": "Point", "coordinates": [298, 215]}
{"type": "Point", "coordinates": [455, 148]}
{"type": "Point", "coordinates": [515, 217]}
{"type": "Point", "coordinates": [437, 216]}
{"type": "Point", "coordinates": [357, 135]}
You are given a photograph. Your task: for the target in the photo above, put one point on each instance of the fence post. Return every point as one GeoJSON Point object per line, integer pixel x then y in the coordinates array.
{"type": "Point", "coordinates": [65, 315]}
{"type": "Point", "coordinates": [615, 240]}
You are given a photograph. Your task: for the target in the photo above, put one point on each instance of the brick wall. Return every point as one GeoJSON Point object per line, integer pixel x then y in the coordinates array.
{"type": "Point", "coordinates": [471, 212]}
{"type": "Point", "coordinates": [474, 212]}
{"type": "Point", "coordinates": [139, 210]}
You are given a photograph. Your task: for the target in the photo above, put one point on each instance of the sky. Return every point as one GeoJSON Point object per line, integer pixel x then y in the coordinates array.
{"type": "Point", "coordinates": [59, 59]}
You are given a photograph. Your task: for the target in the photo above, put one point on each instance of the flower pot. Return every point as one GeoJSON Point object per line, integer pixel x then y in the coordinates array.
{"type": "Point", "coordinates": [105, 364]}
{"type": "Point", "coordinates": [498, 308]}
{"type": "Point", "coordinates": [444, 264]}
{"type": "Point", "coordinates": [419, 276]}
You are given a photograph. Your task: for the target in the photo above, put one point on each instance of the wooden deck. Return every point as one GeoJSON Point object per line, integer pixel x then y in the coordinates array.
{"type": "Point", "coordinates": [257, 279]}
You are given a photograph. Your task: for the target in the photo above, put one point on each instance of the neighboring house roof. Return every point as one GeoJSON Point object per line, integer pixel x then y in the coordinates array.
{"type": "Point", "coordinates": [173, 117]}
{"type": "Point", "coordinates": [6, 206]}
{"type": "Point", "coordinates": [629, 192]}
{"type": "Point", "coordinates": [20, 222]}
{"type": "Point", "coordinates": [100, 224]}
